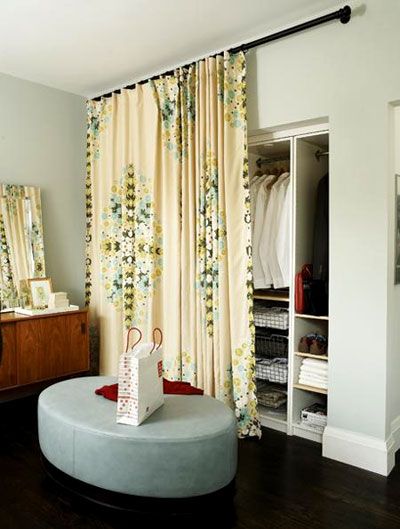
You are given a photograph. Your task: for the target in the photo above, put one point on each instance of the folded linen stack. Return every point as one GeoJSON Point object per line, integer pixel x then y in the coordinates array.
{"type": "Point", "coordinates": [314, 372]}
{"type": "Point", "coordinates": [270, 397]}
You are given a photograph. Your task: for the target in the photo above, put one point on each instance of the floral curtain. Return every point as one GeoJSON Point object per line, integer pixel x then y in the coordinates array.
{"type": "Point", "coordinates": [21, 238]}
{"type": "Point", "coordinates": [168, 227]}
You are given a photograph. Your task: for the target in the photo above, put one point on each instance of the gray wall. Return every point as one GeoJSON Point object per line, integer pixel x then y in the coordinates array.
{"type": "Point", "coordinates": [42, 143]}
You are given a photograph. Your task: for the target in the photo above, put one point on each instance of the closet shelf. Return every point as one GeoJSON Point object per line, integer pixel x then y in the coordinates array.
{"type": "Point", "coordinates": [274, 415]}
{"type": "Point", "coordinates": [309, 355]}
{"type": "Point", "coordinates": [312, 317]}
{"type": "Point", "coordinates": [311, 389]}
{"type": "Point", "coordinates": [269, 295]}
{"type": "Point", "coordinates": [273, 419]}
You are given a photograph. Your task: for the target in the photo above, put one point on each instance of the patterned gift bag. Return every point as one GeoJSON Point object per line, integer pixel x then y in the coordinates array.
{"type": "Point", "coordinates": [140, 382]}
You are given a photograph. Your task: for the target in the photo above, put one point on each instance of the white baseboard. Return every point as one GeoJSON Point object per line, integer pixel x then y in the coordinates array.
{"type": "Point", "coordinates": [393, 442]}
{"type": "Point", "coordinates": [395, 433]}
{"type": "Point", "coordinates": [360, 450]}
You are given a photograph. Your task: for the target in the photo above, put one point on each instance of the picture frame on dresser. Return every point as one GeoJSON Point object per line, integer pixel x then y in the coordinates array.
{"type": "Point", "coordinates": [40, 288]}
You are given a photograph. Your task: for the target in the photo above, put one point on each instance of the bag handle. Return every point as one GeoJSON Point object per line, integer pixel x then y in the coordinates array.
{"type": "Point", "coordinates": [128, 336]}
{"type": "Point", "coordinates": [154, 339]}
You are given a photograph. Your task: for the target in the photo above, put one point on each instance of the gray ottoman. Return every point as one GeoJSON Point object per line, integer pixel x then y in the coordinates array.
{"type": "Point", "coordinates": [187, 448]}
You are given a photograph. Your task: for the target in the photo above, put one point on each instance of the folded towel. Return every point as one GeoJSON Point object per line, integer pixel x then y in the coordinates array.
{"type": "Point", "coordinates": [169, 388]}
{"type": "Point", "coordinates": [313, 373]}
{"type": "Point", "coordinates": [311, 382]}
{"type": "Point", "coordinates": [315, 362]}
{"type": "Point", "coordinates": [316, 370]}
{"type": "Point", "coordinates": [314, 376]}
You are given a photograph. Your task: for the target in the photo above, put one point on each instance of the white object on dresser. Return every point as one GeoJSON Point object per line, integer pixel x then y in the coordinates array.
{"type": "Point", "coordinates": [35, 312]}
{"type": "Point", "coordinates": [58, 300]}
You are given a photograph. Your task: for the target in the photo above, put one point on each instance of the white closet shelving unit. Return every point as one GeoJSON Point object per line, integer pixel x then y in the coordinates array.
{"type": "Point", "coordinates": [299, 145]}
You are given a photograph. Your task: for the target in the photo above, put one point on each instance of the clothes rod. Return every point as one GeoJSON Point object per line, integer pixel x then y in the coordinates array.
{"type": "Point", "coordinates": [343, 14]}
{"type": "Point", "coordinates": [266, 161]}
{"type": "Point", "coordinates": [320, 153]}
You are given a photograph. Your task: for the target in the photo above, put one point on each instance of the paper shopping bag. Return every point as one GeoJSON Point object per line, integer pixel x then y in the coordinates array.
{"type": "Point", "coordinates": [140, 382]}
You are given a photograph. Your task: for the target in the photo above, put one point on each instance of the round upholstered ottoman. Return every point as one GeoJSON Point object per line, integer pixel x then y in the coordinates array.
{"type": "Point", "coordinates": [187, 448]}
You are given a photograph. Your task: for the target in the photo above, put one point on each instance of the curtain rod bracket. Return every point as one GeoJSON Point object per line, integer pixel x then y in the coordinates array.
{"type": "Point", "coordinates": [345, 14]}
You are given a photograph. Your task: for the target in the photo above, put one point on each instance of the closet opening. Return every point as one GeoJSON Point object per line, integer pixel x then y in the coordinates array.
{"type": "Point", "coordinates": [289, 184]}
{"type": "Point", "coordinates": [271, 190]}
{"type": "Point", "coordinates": [271, 159]}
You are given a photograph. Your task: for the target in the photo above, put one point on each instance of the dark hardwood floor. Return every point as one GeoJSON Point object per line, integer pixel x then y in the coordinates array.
{"type": "Point", "coordinates": [282, 483]}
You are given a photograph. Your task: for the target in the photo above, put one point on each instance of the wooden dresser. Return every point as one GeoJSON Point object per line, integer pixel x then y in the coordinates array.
{"type": "Point", "coordinates": [35, 349]}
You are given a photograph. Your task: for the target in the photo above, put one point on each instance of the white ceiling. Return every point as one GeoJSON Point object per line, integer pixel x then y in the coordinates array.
{"type": "Point", "coordinates": [91, 46]}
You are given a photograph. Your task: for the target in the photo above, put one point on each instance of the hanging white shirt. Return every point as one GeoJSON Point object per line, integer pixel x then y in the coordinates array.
{"type": "Point", "coordinates": [260, 208]}
{"type": "Point", "coordinates": [254, 187]}
{"type": "Point", "coordinates": [283, 242]}
{"type": "Point", "coordinates": [267, 245]}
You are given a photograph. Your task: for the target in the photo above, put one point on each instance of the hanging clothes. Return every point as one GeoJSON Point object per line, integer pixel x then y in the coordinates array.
{"type": "Point", "coordinates": [254, 187]}
{"type": "Point", "coordinates": [271, 230]}
{"type": "Point", "coordinates": [283, 242]}
{"type": "Point", "coordinates": [262, 198]}
{"type": "Point", "coordinates": [321, 231]}
{"type": "Point", "coordinates": [319, 285]}
{"type": "Point", "coordinates": [276, 231]}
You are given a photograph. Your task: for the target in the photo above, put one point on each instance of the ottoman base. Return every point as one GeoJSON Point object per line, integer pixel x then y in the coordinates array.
{"type": "Point", "coordinates": [185, 449]}
{"type": "Point", "coordinates": [221, 499]}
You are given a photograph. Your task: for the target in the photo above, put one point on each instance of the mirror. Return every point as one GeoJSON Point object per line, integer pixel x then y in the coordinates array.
{"type": "Point", "coordinates": [21, 242]}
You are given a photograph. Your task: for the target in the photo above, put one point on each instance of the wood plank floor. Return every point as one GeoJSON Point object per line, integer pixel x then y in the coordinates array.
{"type": "Point", "coordinates": [282, 483]}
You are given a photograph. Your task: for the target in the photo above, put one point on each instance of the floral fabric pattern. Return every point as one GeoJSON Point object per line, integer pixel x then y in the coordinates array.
{"type": "Point", "coordinates": [131, 247]}
{"type": "Point", "coordinates": [176, 100]}
{"type": "Point", "coordinates": [169, 245]}
{"type": "Point", "coordinates": [98, 117]}
{"type": "Point", "coordinates": [211, 240]}
{"type": "Point", "coordinates": [232, 90]}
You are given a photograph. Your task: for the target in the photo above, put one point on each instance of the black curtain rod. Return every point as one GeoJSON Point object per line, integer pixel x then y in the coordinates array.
{"type": "Point", "coordinates": [343, 14]}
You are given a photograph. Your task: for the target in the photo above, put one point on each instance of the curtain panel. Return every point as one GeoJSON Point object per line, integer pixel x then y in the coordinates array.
{"type": "Point", "coordinates": [169, 229]}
